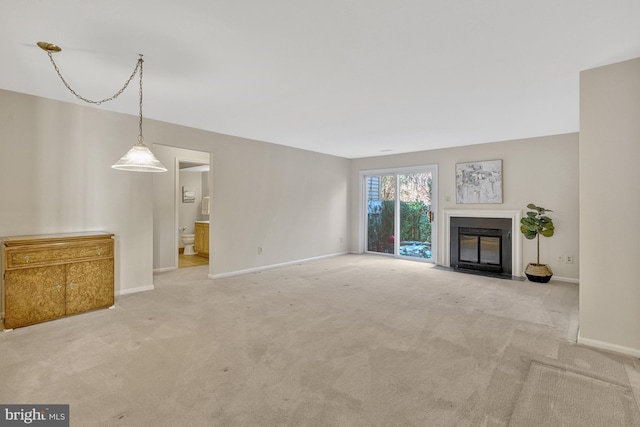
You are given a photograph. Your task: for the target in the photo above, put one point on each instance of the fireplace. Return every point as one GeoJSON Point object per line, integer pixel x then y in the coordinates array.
{"type": "Point", "coordinates": [481, 244]}
{"type": "Point", "coordinates": [480, 249]}
{"type": "Point", "coordinates": [491, 243]}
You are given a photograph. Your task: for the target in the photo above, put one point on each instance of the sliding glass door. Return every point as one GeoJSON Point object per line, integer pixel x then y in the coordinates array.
{"type": "Point", "coordinates": [416, 214]}
{"type": "Point", "coordinates": [400, 208]}
{"type": "Point", "coordinates": [381, 208]}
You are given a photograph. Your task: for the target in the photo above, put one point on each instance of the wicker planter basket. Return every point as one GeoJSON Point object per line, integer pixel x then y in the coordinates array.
{"type": "Point", "coordinates": [540, 273]}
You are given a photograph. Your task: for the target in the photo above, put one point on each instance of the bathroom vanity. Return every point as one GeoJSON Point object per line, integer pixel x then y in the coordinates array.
{"type": "Point", "coordinates": [202, 238]}
{"type": "Point", "coordinates": [49, 276]}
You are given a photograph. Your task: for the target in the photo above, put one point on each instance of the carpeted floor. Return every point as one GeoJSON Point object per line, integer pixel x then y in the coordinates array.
{"type": "Point", "coordinates": [555, 396]}
{"type": "Point", "coordinates": [346, 341]}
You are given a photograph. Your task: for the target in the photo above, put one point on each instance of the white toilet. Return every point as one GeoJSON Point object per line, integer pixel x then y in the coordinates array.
{"type": "Point", "coordinates": [188, 240]}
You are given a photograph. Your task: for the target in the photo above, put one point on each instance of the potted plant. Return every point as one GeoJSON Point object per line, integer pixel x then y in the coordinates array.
{"type": "Point", "coordinates": [537, 223]}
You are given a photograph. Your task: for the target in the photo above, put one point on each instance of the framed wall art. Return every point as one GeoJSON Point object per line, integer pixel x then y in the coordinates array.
{"type": "Point", "coordinates": [188, 195]}
{"type": "Point", "coordinates": [479, 182]}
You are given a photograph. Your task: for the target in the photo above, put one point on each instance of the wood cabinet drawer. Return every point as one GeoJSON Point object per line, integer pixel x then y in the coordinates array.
{"type": "Point", "coordinates": [30, 256]}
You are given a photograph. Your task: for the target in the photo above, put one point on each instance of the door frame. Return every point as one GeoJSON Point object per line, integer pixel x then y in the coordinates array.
{"type": "Point", "coordinates": [362, 229]}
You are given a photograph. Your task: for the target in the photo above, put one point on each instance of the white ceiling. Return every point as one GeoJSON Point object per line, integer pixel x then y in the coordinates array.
{"type": "Point", "coordinates": [353, 78]}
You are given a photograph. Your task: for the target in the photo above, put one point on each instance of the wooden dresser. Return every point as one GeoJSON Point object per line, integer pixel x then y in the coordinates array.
{"type": "Point", "coordinates": [54, 275]}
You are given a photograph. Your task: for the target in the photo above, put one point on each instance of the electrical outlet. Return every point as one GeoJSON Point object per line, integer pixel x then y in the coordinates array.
{"type": "Point", "coordinates": [447, 199]}
{"type": "Point", "coordinates": [569, 259]}
{"type": "Point", "coordinates": [560, 258]}
{"type": "Point", "coordinates": [259, 250]}
{"type": "Point", "coordinates": [341, 240]}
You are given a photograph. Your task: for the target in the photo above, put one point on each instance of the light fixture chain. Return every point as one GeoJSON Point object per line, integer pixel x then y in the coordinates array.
{"type": "Point", "coordinates": [138, 66]}
{"type": "Point", "coordinates": [140, 61]}
{"type": "Point", "coordinates": [137, 159]}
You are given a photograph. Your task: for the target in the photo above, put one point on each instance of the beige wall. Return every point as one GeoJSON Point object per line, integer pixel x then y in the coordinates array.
{"type": "Point", "coordinates": [610, 206]}
{"type": "Point", "coordinates": [56, 176]}
{"type": "Point", "coordinates": [541, 170]}
{"type": "Point", "coordinates": [293, 203]}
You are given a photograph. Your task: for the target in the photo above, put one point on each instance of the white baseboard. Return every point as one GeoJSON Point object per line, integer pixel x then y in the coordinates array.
{"type": "Point", "coordinates": [164, 269]}
{"type": "Point", "coordinates": [135, 290]}
{"type": "Point", "coordinates": [629, 351]}
{"type": "Point", "coordinates": [269, 267]}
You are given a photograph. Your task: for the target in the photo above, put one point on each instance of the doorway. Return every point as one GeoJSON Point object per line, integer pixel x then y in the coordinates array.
{"type": "Point", "coordinates": [193, 209]}
{"type": "Point", "coordinates": [399, 208]}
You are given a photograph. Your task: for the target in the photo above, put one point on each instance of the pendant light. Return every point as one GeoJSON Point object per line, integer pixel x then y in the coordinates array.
{"type": "Point", "coordinates": [137, 159]}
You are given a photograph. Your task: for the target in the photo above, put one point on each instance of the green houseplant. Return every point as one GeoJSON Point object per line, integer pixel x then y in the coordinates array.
{"type": "Point", "coordinates": [537, 223]}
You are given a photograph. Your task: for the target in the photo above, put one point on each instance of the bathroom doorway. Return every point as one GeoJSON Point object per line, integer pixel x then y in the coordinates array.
{"type": "Point", "coordinates": [193, 208]}
{"type": "Point", "coordinates": [167, 201]}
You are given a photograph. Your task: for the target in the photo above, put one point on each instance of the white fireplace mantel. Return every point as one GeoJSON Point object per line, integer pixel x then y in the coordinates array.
{"type": "Point", "coordinates": [516, 236]}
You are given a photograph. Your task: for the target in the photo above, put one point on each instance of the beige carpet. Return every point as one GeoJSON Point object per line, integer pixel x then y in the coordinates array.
{"type": "Point", "coordinates": [345, 341]}
{"type": "Point", "coordinates": [554, 396]}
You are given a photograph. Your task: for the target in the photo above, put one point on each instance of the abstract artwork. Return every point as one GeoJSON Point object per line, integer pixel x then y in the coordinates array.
{"type": "Point", "coordinates": [479, 182]}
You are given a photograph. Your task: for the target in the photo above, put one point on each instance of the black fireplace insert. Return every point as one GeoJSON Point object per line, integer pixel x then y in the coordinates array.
{"type": "Point", "coordinates": [481, 245]}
